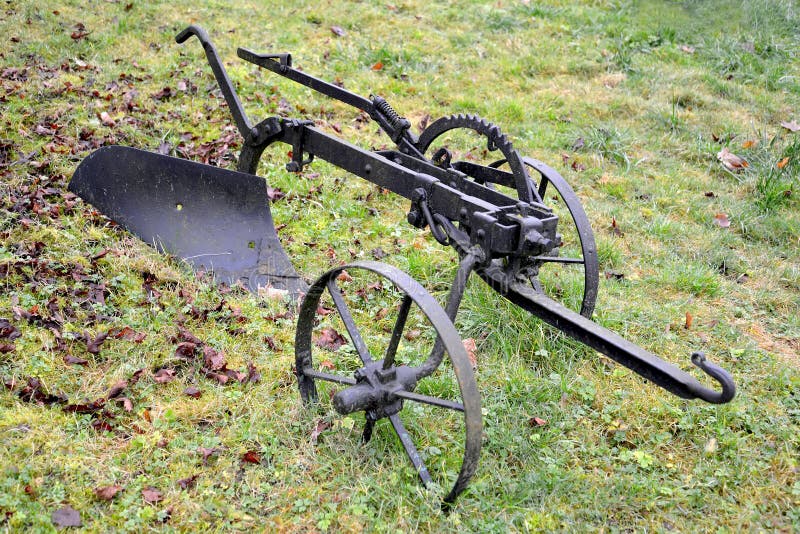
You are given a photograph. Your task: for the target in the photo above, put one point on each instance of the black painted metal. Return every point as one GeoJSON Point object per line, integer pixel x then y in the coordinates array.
{"type": "Point", "coordinates": [215, 219]}
{"type": "Point", "coordinates": [379, 389]}
{"type": "Point", "coordinates": [220, 220]}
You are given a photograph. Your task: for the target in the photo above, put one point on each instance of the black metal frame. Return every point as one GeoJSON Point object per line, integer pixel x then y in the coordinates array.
{"type": "Point", "coordinates": [505, 233]}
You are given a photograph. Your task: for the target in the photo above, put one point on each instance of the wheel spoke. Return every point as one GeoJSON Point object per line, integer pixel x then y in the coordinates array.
{"type": "Point", "coordinates": [558, 259]}
{"type": "Point", "coordinates": [399, 326]}
{"type": "Point", "coordinates": [411, 449]}
{"type": "Point", "coordinates": [368, 426]}
{"type": "Point", "coordinates": [433, 401]}
{"type": "Point", "coordinates": [349, 322]}
{"type": "Point", "coordinates": [313, 373]}
{"type": "Point", "coordinates": [543, 187]}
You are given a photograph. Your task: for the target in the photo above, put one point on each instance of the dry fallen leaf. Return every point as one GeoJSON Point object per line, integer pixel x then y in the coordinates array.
{"type": "Point", "coordinates": [320, 427]}
{"type": "Point", "coordinates": [791, 126]}
{"type": "Point", "coordinates": [162, 376]}
{"type": "Point", "coordinates": [338, 31]}
{"type": "Point", "coordinates": [537, 421]}
{"type": "Point", "coordinates": [106, 493]}
{"type": "Point", "coordinates": [782, 163]}
{"type": "Point", "coordinates": [731, 161]}
{"type": "Point", "coordinates": [749, 143]}
{"type": "Point", "coordinates": [330, 339]}
{"type": "Point", "coordinates": [689, 319]}
{"type": "Point", "coordinates": [192, 392]}
{"type": "Point", "coordinates": [152, 495]}
{"type": "Point", "coordinates": [377, 66]}
{"type": "Point", "coordinates": [251, 457]}
{"type": "Point", "coordinates": [472, 352]}
{"type": "Point", "coordinates": [721, 220]}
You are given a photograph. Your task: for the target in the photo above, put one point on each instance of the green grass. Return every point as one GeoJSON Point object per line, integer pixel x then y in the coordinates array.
{"type": "Point", "coordinates": [654, 89]}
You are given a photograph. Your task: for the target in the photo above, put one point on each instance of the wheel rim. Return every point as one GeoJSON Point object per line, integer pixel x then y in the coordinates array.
{"type": "Point", "coordinates": [413, 297]}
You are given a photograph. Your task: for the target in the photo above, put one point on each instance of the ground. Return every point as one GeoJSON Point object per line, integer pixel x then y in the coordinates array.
{"type": "Point", "coordinates": [117, 411]}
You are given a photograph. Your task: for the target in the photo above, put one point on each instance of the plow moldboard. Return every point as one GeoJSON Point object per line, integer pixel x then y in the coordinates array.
{"type": "Point", "coordinates": [215, 219]}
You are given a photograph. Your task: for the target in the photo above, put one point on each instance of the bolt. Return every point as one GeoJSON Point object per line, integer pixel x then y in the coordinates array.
{"type": "Point", "coordinates": [367, 168]}
{"type": "Point", "coordinates": [462, 213]}
{"type": "Point", "coordinates": [481, 235]}
{"type": "Point", "coordinates": [414, 218]}
{"type": "Point", "coordinates": [417, 194]}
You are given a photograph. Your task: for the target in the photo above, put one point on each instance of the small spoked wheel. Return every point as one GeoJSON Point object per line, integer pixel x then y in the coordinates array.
{"type": "Point", "coordinates": [394, 362]}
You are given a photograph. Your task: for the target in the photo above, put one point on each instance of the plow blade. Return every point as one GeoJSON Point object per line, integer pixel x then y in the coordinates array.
{"type": "Point", "coordinates": [215, 219]}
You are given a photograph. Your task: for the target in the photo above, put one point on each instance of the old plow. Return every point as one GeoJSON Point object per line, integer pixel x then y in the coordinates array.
{"type": "Point", "coordinates": [495, 216]}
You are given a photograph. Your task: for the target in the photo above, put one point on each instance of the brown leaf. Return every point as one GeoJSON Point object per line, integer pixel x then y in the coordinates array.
{"type": "Point", "coordinates": [152, 495]}
{"type": "Point", "coordinates": [251, 457]}
{"type": "Point", "coordinates": [129, 334]}
{"type": "Point", "coordinates": [330, 339]}
{"type": "Point", "coordinates": [721, 220]}
{"type": "Point", "coordinates": [106, 493]}
{"type": "Point", "coordinates": [213, 360]}
{"type": "Point", "coordinates": [185, 350]}
{"type": "Point", "coordinates": [731, 161]}
{"type": "Point", "coordinates": [253, 375]}
{"type": "Point", "coordinates": [327, 364]}
{"type": "Point", "coordinates": [106, 119]}
{"type": "Point", "coordinates": [792, 126]}
{"type": "Point", "coordinates": [377, 66]}
{"type": "Point", "coordinates": [412, 334]}
{"type": "Point", "coordinates": [472, 352]}
{"type": "Point", "coordinates": [536, 421]}
{"type": "Point", "coordinates": [615, 228]}
{"type": "Point", "coordinates": [5, 348]}
{"type": "Point", "coordinates": [320, 427]}
{"type": "Point", "coordinates": [66, 516]}
{"type": "Point", "coordinates": [117, 389]}
{"type": "Point", "coordinates": [192, 392]}
{"type": "Point", "coordinates": [127, 404]}
{"type": "Point", "coordinates": [93, 344]}
{"type": "Point", "coordinates": [338, 31]}
{"type": "Point", "coordinates": [185, 335]}
{"type": "Point", "coordinates": [749, 144]}
{"type": "Point", "coordinates": [344, 276]}
{"type": "Point", "coordinates": [8, 330]}
{"type": "Point", "coordinates": [686, 49]}
{"type": "Point", "coordinates": [162, 376]}
{"type": "Point", "coordinates": [782, 163]}
{"type": "Point", "coordinates": [273, 193]}
{"type": "Point", "coordinates": [163, 94]}
{"type": "Point", "coordinates": [188, 482]}
{"type": "Point", "coordinates": [688, 324]}
{"type": "Point", "coordinates": [208, 452]}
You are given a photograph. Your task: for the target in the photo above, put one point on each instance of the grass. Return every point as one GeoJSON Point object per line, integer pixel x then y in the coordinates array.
{"type": "Point", "coordinates": [655, 90]}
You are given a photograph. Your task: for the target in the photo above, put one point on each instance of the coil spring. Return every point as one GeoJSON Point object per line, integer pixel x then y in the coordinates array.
{"type": "Point", "coordinates": [394, 118]}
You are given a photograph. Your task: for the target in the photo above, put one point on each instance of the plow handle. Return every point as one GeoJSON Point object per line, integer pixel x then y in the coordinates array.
{"type": "Point", "coordinates": [224, 82]}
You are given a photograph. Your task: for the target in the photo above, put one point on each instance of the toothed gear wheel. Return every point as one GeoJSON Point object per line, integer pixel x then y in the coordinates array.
{"type": "Point", "coordinates": [496, 140]}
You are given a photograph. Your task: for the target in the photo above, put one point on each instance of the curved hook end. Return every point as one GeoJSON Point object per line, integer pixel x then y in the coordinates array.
{"type": "Point", "coordinates": [720, 375]}
{"type": "Point", "coordinates": [192, 30]}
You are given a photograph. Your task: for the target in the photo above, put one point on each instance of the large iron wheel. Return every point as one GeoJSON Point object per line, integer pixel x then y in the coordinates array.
{"type": "Point", "coordinates": [572, 269]}
{"type": "Point", "coordinates": [380, 384]}
{"type": "Point", "coordinates": [577, 251]}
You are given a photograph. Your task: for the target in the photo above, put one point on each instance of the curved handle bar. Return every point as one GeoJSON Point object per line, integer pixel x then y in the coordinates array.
{"type": "Point", "coordinates": [717, 373]}
{"type": "Point", "coordinates": [225, 85]}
